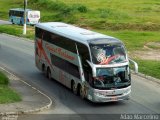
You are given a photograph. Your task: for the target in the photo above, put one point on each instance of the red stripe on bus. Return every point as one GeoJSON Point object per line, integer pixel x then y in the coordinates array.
{"type": "Point", "coordinates": [42, 52]}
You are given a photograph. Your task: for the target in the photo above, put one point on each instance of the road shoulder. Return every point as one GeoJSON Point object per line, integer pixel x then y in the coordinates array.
{"type": "Point", "coordinates": [147, 77]}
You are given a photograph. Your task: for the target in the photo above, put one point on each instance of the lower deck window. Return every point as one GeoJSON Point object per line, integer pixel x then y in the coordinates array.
{"type": "Point", "coordinates": [65, 65]}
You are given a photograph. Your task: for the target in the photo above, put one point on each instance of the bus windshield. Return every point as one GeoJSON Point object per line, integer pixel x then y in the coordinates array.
{"type": "Point", "coordinates": [112, 78]}
{"type": "Point", "coordinates": [33, 14]}
{"type": "Point", "coordinates": [104, 54]}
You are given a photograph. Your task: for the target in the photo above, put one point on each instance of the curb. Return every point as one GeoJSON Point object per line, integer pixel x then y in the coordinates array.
{"type": "Point", "coordinates": [31, 110]}
{"type": "Point", "coordinates": [150, 78]}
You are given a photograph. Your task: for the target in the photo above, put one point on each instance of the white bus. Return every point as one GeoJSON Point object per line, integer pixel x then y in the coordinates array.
{"type": "Point", "coordinates": [16, 16]}
{"type": "Point", "coordinates": [92, 65]}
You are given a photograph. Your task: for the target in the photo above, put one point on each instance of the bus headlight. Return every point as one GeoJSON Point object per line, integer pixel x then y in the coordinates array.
{"type": "Point", "coordinates": [99, 94]}
{"type": "Point", "coordinates": [127, 91]}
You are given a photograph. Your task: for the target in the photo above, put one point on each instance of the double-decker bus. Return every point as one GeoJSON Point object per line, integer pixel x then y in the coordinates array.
{"type": "Point", "coordinates": [16, 16]}
{"type": "Point", "coordinates": [93, 65]}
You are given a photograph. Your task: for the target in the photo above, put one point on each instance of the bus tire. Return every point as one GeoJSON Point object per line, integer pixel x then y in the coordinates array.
{"type": "Point", "coordinates": [72, 82]}
{"type": "Point", "coordinates": [43, 68]}
{"type": "Point", "coordinates": [12, 21]}
{"type": "Point", "coordinates": [74, 88]}
{"type": "Point", "coordinates": [49, 73]}
{"type": "Point", "coordinates": [21, 23]}
{"type": "Point", "coordinates": [81, 92]}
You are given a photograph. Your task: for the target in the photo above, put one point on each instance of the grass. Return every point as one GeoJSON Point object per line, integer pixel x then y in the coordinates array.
{"type": "Point", "coordinates": [134, 40]}
{"type": "Point", "coordinates": [137, 11]}
{"type": "Point", "coordinates": [6, 5]}
{"type": "Point", "coordinates": [3, 79]}
{"type": "Point", "coordinates": [7, 95]}
{"type": "Point", "coordinates": [149, 67]}
{"type": "Point", "coordinates": [17, 30]}
{"type": "Point", "coordinates": [136, 23]}
{"type": "Point", "coordinates": [98, 14]}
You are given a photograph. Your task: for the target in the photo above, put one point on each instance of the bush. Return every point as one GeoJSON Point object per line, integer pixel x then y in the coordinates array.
{"type": "Point", "coordinates": [105, 13]}
{"type": "Point", "coordinates": [58, 6]}
{"type": "Point", "coordinates": [49, 4]}
{"type": "Point", "coordinates": [80, 8]}
{"type": "Point", "coordinates": [65, 16]}
{"type": "Point", "coordinates": [59, 11]}
{"type": "Point", "coordinates": [3, 79]}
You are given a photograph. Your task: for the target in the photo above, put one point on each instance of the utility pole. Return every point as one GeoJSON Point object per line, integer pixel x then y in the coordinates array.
{"type": "Point", "coordinates": [24, 26]}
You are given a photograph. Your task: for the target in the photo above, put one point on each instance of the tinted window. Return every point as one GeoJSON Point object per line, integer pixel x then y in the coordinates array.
{"type": "Point", "coordinates": [84, 52]}
{"type": "Point", "coordinates": [38, 32]}
{"type": "Point", "coordinates": [65, 66]}
{"type": "Point", "coordinates": [61, 41]}
{"type": "Point", "coordinates": [11, 12]}
{"type": "Point", "coordinates": [21, 14]}
{"type": "Point", "coordinates": [88, 73]}
{"type": "Point", "coordinates": [47, 36]}
{"type": "Point", "coordinates": [17, 13]}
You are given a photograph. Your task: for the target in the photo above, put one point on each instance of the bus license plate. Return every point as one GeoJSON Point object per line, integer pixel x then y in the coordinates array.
{"type": "Point", "coordinates": [114, 99]}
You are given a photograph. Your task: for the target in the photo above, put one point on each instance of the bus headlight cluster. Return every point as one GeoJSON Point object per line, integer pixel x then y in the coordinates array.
{"type": "Point", "coordinates": [127, 91]}
{"type": "Point", "coordinates": [100, 94]}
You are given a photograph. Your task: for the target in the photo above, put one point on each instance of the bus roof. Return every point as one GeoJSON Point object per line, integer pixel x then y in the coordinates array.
{"type": "Point", "coordinates": [20, 9]}
{"type": "Point", "coordinates": [75, 33]}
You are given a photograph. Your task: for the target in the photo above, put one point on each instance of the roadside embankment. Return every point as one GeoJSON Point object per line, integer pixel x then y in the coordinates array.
{"type": "Point", "coordinates": [33, 100]}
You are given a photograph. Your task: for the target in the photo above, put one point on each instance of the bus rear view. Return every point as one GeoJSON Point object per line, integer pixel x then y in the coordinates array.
{"type": "Point", "coordinates": [93, 65]}
{"type": "Point", "coordinates": [16, 16]}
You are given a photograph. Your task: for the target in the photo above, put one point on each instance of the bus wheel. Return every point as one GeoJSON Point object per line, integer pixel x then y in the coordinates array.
{"type": "Point", "coordinates": [81, 92]}
{"type": "Point", "coordinates": [49, 73]}
{"type": "Point", "coordinates": [21, 23]}
{"type": "Point", "coordinates": [43, 68]}
{"type": "Point", "coordinates": [74, 88]}
{"type": "Point", "coordinates": [12, 21]}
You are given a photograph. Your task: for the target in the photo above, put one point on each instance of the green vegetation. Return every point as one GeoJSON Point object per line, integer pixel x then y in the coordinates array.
{"type": "Point", "coordinates": [7, 95]}
{"type": "Point", "coordinates": [149, 67]}
{"type": "Point", "coordinates": [97, 14]}
{"type": "Point", "coordinates": [17, 30]}
{"type": "Point", "coordinates": [3, 79]}
{"type": "Point", "coordinates": [136, 23]}
{"type": "Point", "coordinates": [102, 14]}
{"type": "Point", "coordinates": [6, 5]}
{"type": "Point", "coordinates": [134, 40]}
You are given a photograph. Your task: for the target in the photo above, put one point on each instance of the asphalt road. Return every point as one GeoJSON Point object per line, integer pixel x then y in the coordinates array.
{"type": "Point", "coordinates": [18, 56]}
{"type": "Point", "coordinates": [4, 22]}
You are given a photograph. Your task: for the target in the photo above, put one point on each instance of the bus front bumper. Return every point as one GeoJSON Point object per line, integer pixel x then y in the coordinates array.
{"type": "Point", "coordinates": [110, 95]}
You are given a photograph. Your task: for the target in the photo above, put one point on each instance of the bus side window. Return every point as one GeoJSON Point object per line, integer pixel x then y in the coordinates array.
{"type": "Point", "coordinates": [11, 13]}
{"type": "Point", "coordinates": [70, 45]}
{"type": "Point", "coordinates": [56, 40]}
{"type": "Point", "coordinates": [64, 43]}
{"type": "Point", "coordinates": [38, 32]}
{"type": "Point", "coordinates": [21, 14]}
{"type": "Point", "coordinates": [88, 73]}
{"type": "Point", "coordinates": [84, 53]}
{"type": "Point", "coordinates": [47, 36]}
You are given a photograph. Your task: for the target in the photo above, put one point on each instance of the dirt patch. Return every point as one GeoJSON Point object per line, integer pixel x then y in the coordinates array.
{"type": "Point", "coordinates": [150, 51]}
{"type": "Point", "coordinates": [153, 45]}
{"type": "Point", "coordinates": [147, 55]}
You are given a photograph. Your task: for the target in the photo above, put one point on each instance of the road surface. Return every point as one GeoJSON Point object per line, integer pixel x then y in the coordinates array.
{"type": "Point", "coordinates": [18, 56]}
{"type": "Point", "coordinates": [2, 22]}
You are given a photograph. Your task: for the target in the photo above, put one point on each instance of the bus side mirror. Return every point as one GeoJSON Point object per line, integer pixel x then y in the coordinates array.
{"type": "Point", "coordinates": [134, 65]}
